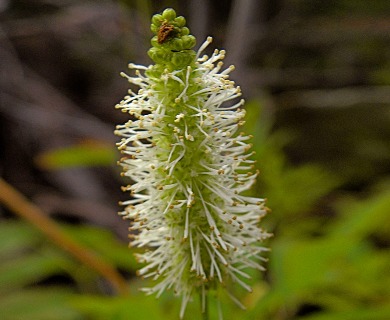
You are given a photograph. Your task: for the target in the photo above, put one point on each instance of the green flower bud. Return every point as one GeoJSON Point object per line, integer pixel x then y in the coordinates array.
{"type": "Point", "coordinates": [157, 19]}
{"type": "Point", "coordinates": [169, 14]}
{"type": "Point", "coordinates": [188, 41]}
{"type": "Point", "coordinates": [185, 31]}
{"type": "Point", "coordinates": [180, 21]}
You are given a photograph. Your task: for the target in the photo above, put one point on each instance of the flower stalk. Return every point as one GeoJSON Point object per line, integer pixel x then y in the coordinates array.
{"type": "Point", "coordinates": [189, 166]}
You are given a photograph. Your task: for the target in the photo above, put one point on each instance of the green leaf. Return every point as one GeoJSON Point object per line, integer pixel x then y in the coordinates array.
{"type": "Point", "coordinates": [83, 155]}
{"type": "Point", "coordinates": [38, 304]}
{"type": "Point", "coordinates": [378, 313]}
{"type": "Point", "coordinates": [299, 266]}
{"type": "Point", "coordinates": [119, 308]}
{"type": "Point", "coordinates": [27, 269]}
{"type": "Point", "coordinates": [364, 217]}
{"type": "Point", "coordinates": [293, 191]}
{"type": "Point", "coordinates": [106, 244]}
{"type": "Point", "coordinates": [16, 236]}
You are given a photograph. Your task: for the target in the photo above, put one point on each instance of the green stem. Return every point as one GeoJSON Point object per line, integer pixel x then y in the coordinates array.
{"type": "Point", "coordinates": [205, 311]}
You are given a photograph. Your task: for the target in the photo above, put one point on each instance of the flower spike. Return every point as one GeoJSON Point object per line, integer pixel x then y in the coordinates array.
{"type": "Point", "coordinates": [189, 167]}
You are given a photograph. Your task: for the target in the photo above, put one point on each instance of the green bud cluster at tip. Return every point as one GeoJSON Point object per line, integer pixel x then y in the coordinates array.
{"type": "Point", "coordinates": [172, 43]}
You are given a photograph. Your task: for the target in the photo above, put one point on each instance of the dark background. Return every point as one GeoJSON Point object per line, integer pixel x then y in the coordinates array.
{"type": "Point", "coordinates": [316, 75]}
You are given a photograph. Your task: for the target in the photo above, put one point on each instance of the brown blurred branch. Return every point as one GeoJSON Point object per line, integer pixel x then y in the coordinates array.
{"type": "Point", "coordinates": [17, 203]}
{"type": "Point", "coordinates": [244, 16]}
{"type": "Point", "coordinates": [88, 210]}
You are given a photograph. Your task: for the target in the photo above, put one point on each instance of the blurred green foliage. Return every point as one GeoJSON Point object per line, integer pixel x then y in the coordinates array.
{"type": "Point", "coordinates": [329, 257]}
{"type": "Point", "coordinates": [87, 154]}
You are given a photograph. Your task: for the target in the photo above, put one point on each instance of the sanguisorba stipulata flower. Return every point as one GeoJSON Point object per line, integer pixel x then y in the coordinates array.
{"type": "Point", "coordinates": [189, 165]}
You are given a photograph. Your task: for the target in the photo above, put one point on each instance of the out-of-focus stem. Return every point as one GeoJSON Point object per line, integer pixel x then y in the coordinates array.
{"type": "Point", "coordinates": [204, 306]}
{"type": "Point", "coordinates": [17, 203]}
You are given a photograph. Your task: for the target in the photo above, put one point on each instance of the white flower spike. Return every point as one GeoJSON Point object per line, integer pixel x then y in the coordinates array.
{"type": "Point", "coordinates": [189, 167]}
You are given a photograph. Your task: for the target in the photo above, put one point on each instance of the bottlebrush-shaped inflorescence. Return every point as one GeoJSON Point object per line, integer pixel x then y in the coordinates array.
{"type": "Point", "coordinates": [189, 165]}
